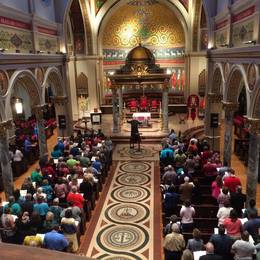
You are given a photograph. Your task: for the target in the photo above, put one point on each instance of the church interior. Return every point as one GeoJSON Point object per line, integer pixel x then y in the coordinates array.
{"type": "Point", "coordinates": [127, 128]}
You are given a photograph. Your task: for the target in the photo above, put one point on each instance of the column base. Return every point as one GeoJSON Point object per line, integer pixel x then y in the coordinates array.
{"type": "Point", "coordinates": [165, 130]}
{"type": "Point", "coordinates": [216, 142]}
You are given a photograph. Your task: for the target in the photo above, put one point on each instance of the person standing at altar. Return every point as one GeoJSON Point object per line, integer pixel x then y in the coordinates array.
{"type": "Point", "coordinates": [135, 136]}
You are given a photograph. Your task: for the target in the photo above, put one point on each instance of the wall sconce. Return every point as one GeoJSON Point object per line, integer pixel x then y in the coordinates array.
{"type": "Point", "coordinates": [18, 105]}
{"type": "Point", "coordinates": [250, 42]}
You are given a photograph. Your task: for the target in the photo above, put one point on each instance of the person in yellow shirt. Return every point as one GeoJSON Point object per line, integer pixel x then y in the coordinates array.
{"type": "Point", "coordinates": [35, 241]}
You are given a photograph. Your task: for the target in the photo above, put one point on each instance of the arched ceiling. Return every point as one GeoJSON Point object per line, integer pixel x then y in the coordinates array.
{"type": "Point", "coordinates": [153, 24]}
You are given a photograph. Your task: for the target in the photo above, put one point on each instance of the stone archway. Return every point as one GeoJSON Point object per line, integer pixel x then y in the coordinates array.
{"type": "Point", "coordinates": [235, 82]}
{"type": "Point", "coordinates": [30, 84]}
{"type": "Point", "coordinates": [217, 82]}
{"type": "Point", "coordinates": [213, 107]}
{"type": "Point", "coordinates": [81, 7]}
{"type": "Point", "coordinates": [53, 76]}
{"type": "Point", "coordinates": [256, 105]}
{"type": "Point", "coordinates": [236, 76]}
{"type": "Point", "coordinates": [2, 111]}
{"type": "Point", "coordinates": [27, 81]}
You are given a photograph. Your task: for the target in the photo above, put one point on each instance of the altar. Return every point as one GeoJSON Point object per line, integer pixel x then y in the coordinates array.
{"type": "Point", "coordinates": [143, 117]}
{"type": "Point", "coordinates": [140, 72]}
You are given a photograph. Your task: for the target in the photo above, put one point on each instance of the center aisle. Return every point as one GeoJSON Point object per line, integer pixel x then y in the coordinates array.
{"type": "Point", "coordinates": [127, 223]}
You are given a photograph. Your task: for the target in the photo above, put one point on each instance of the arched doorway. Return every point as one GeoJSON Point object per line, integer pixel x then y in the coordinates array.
{"type": "Point", "coordinates": [235, 83]}
{"type": "Point", "coordinates": [54, 96]}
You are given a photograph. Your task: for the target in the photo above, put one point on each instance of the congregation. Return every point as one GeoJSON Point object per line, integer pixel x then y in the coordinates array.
{"type": "Point", "coordinates": [52, 206]}
{"type": "Point", "coordinates": [205, 214]}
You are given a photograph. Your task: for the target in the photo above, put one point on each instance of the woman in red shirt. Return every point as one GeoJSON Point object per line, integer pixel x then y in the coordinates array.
{"type": "Point", "coordinates": [216, 187]}
{"type": "Point", "coordinates": [233, 225]}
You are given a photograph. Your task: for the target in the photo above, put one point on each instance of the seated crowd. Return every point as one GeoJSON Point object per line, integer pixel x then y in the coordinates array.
{"type": "Point", "coordinates": [52, 206]}
{"type": "Point", "coordinates": [203, 205]}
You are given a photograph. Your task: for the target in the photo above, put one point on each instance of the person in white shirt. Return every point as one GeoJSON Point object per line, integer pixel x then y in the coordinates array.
{"type": "Point", "coordinates": [243, 249]}
{"type": "Point", "coordinates": [18, 155]}
{"type": "Point", "coordinates": [223, 212]}
{"type": "Point", "coordinates": [186, 213]}
{"type": "Point", "coordinates": [18, 162]}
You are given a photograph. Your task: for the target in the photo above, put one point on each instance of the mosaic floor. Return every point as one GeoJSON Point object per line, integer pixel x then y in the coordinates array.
{"type": "Point", "coordinates": [125, 226]}
{"type": "Point", "coordinates": [147, 152]}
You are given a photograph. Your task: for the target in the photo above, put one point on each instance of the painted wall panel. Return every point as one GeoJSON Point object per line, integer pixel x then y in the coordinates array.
{"type": "Point", "coordinates": [45, 9]}
{"type": "Point", "coordinates": [21, 5]}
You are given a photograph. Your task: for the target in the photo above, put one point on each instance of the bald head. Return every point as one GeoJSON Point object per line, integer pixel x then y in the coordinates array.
{"type": "Point", "coordinates": [209, 248]}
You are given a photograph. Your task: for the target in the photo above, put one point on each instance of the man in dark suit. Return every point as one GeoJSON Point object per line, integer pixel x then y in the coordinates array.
{"type": "Point", "coordinates": [210, 253]}
{"type": "Point", "coordinates": [135, 136]}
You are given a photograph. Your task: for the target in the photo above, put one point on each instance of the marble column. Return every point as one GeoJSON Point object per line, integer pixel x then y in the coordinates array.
{"type": "Point", "coordinates": [253, 158]}
{"type": "Point", "coordinates": [7, 173]}
{"type": "Point", "coordinates": [165, 102]}
{"type": "Point", "coordinates": [213, 105]}
{"type": "Point", "coordinates": [120, 103]}
{"type": "Point", "coordinates": [115, 111]}
{"type": "Point", "coordinates": [61, 109]}
{"type": "Point", "coordinates": [229, 108]}
{"type": "Point", "coordinates": [38, 111]}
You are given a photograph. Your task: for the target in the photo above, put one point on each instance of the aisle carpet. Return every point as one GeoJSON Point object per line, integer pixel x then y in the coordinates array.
{"type": "Point", "coordinates": [128, 224]}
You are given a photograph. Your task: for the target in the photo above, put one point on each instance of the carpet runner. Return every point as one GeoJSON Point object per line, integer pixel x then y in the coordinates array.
{"type": "Point", "coordinates": [128, 224]}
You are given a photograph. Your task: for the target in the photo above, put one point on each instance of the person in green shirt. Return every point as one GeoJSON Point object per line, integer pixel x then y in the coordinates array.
{"type": "Point", "coordinates": [56, 153]}
{"type": "Point", "coordinates": [84, 160]}
{"type": "Point", "coordinates": [15, 208]}
{"type": "Point", "coordinates": [36, 175]}
{"type": "Point", "coordinates": [71, 162]}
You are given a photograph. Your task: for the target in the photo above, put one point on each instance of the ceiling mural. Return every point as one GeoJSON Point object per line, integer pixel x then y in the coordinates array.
{"type": "Point", "coordinates": [151, 24]}
{"type": "Point", "coordinates": [100, 3]}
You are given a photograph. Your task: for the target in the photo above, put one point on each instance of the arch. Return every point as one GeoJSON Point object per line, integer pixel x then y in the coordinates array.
{"type": "Point", "coordinates": [30, 85]}
{"type": "Point", "coordinates": [255, 103]}
{"type": "Point", "coordinates": [86, 23]}
{"type": "Point", "coordinates": [53, 75]}
{"type": "Point", "coordinates": [82, 84]}
{"type": "Point", "coordinates": [110, 7]}
{"type": "Point", "coordinates": [2, 111]}
{"type": "Point", "coordinates": [236, 76]}
{"type": "Point", "coordinates": [218, 80]}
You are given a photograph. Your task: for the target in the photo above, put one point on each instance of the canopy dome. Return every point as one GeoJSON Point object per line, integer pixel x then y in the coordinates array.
{"type": "Point", "coordinates": [140, 54]}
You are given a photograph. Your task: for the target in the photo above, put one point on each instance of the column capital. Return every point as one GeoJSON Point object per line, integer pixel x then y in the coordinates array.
{"type": "Point", "coordinates": [214, 98]}
{"type": "Point", "coordinates": [229, 106]}
{"type": "Point", "coordinates": [61, 100]}
{"type": "Point", "coordinates": [38, 111]}
{"type": "Point", "coordinates": [4, 126]}
{"type": "Point", "coordinates": [253, 125]}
